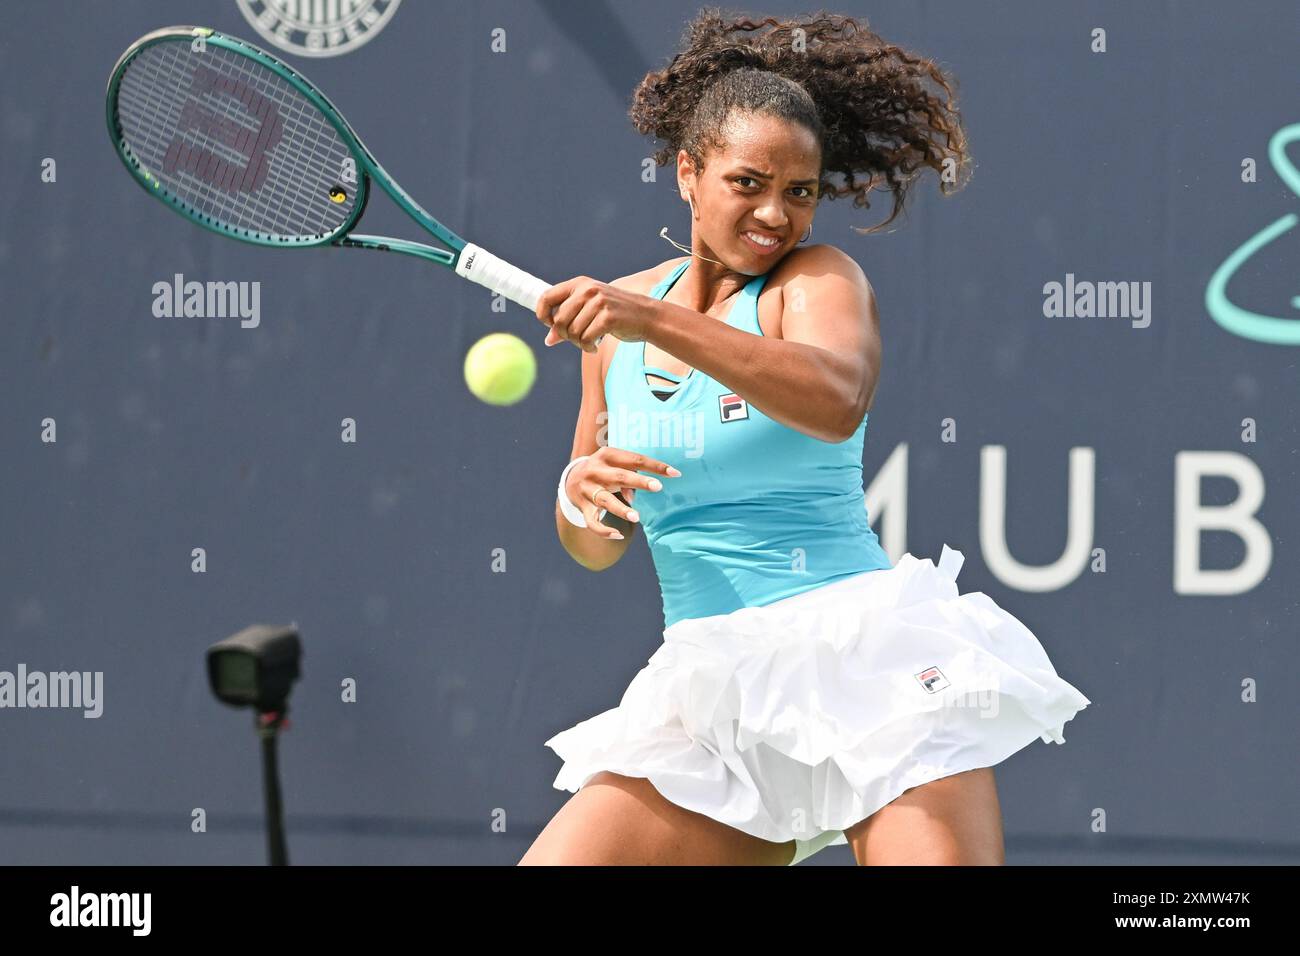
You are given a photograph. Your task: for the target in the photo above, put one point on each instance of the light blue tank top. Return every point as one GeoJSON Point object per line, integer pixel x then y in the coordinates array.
{"type": "Point", "coordinates": [761, 511]}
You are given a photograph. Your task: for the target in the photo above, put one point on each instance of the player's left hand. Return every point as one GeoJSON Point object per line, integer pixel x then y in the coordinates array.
{"type": "Point", "coordinates": [583, 310]}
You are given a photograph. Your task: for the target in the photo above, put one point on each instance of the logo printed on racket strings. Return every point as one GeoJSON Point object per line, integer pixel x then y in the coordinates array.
{"type": "Point", "coordinates": [185, 155]}
{"type": "Point", "coordinates": [208, 300]}
{"type": "Point", "coordinates": [322, 28]}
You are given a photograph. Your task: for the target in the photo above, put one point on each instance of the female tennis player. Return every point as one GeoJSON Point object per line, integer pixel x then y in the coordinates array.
{"type": "Point", "coordinates": [808, 691]}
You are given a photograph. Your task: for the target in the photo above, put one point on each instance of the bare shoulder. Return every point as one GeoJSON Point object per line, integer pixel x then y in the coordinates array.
{"type": "Point", "coordinates": [812, 262]}
{"type": "Point", "coordinates": [814, 270]}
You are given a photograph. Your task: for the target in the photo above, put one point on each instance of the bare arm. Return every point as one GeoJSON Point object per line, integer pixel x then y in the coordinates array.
{"type": "Point", "coordinates": [593, 551]}
{"type": "Point", "coordinates": [820, 376]}
{"type": "Point", "coordinates": [593, 546]}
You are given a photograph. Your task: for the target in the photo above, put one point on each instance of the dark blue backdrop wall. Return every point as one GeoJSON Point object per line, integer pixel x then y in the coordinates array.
{"type": "Point", "coordinates": [1132, 165]}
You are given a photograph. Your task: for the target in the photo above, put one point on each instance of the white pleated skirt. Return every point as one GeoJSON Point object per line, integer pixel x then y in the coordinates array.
{"type": "Point", "coordinates": [800, 718]}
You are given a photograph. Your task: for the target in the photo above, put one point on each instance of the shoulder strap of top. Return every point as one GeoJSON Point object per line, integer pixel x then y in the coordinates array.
{"type": "Point", "coordinates": [744, 314]}
{"type": "Point", "coordinates": [755, 285]}
{"type": "Point", "coordinates": [614, 374]}
{"type": "Point", "coordinates": [746, 317]}
{"type": "Point", "coordinates": [666, 283]}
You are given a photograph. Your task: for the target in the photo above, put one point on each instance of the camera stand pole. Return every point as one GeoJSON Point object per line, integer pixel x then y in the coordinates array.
{"type": "Point", "coordinates": [268, 728]}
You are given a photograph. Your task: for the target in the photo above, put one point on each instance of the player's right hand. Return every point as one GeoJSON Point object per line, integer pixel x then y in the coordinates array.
{"type": "Point", "coordinates": [594, 484]}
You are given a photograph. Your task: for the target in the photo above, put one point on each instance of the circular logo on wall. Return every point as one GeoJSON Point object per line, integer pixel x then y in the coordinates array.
{"type": "Point", "coordinates": [318, 27]}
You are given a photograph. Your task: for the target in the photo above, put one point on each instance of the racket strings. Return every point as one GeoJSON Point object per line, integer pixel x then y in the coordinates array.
{"type": "Point", "coordinates": [277, 208]}
{"type": "Point", "coordinates": [233, 141]}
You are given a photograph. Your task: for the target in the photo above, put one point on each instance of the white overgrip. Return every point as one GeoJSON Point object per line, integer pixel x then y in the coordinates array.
{"type": "Point", "coordinates": [478, 265]}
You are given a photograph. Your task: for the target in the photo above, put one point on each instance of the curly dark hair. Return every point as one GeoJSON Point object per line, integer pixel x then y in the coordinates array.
{"type": "Point", "coordinates": [866, 100]}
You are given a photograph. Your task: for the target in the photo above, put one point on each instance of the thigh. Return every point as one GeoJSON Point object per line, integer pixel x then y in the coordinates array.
{"type": "Point", "coordinates": [615, 820]}
{"type": "Point", "coordinates": [952, 821]}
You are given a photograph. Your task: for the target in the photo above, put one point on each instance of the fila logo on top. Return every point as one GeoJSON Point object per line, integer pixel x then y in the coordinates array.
{"type": "Point", "coordinates": [732, 408]}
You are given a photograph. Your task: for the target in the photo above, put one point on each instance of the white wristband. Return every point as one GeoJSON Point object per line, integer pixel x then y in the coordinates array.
{"type": "Point", "coordinates": [569, 509]}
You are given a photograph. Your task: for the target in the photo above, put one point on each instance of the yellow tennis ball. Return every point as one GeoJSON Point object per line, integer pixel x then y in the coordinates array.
{"type": "Point", "coordinates": [500, 368]}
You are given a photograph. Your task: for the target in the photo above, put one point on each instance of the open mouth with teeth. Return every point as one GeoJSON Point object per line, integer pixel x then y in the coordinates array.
{"type": "Point", "coordinates": [760, 240]}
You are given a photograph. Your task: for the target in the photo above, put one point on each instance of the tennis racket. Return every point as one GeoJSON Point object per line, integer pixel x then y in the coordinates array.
{"type": "Point", "coordinates": [242, 144]}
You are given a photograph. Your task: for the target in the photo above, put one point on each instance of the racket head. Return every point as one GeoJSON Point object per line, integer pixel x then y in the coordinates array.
{"type": "Point", "coordinates": [235, 140]}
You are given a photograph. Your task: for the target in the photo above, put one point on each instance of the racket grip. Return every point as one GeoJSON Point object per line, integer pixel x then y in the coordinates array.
{"type": "Point", "coordinates": [478, 265]}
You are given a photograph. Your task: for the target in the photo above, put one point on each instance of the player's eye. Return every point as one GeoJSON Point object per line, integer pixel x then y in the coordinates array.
{"type": "Point", "coordinates": [743, 180]}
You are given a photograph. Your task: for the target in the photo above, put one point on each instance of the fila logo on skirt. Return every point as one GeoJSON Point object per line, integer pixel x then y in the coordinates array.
{"type": "Point", "coordinates": [932, 680]}
{"type": "Point", "coordinates": [732, 408]}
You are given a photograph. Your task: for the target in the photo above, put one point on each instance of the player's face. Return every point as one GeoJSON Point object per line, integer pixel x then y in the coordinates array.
{"type": "Point", "coordinates": [757, 195]}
